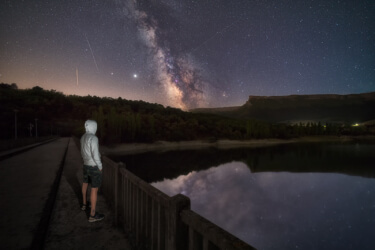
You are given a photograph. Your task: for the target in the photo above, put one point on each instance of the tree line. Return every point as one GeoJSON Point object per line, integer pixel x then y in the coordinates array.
{"type": "Point", "coordinates": [48, 112]}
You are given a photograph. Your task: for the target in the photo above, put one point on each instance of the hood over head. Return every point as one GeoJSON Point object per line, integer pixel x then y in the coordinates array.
{"type": "Point", "coordinates": [91, 126]}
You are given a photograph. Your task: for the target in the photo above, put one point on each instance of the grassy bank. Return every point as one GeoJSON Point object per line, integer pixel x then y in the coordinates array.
{"type": "Point", "coordinates": [134, 148]}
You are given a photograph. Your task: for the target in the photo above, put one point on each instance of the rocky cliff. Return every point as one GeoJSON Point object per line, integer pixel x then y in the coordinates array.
{"type": "Point", "coordinates": [296, 108]}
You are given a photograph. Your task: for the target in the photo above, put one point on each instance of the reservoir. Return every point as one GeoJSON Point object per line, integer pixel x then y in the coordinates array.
{"type": "Point", "coordinates": [292, 196]}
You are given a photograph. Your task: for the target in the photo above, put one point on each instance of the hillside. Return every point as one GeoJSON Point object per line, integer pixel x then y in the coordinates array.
{"type": "Point", "coordinates": [37, 112]}
{"type": "Point", "coordinates": [354, 108]}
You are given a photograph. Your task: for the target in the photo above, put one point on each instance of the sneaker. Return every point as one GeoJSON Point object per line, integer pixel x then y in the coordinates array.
{"type": "Point", "coordinates": [96, 217]}
{"type": "Point", "coordinates": [85, 206]}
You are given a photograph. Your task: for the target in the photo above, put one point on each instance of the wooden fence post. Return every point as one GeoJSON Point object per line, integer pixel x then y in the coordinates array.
{"type": "Point", "coordinates": [116, 194]}
{"type": "Point", "coordinates": [174, 234]}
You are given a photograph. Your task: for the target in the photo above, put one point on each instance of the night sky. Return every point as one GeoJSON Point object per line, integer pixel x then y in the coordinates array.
{"type": "Point", "coordinates": [188, 54]}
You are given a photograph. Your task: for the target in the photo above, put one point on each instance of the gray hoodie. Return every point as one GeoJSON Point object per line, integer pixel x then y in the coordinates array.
{"type": "Point", "coordinates": [90, 145]}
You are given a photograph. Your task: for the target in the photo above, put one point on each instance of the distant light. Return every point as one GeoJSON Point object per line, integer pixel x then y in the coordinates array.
{"type": "Point", "coordinates": [355, 125]}
{"type": "Point", "coordinates": [135, 75]}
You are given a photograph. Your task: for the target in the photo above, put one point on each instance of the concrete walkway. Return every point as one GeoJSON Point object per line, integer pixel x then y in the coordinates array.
{"type": "Point", "coordinates": [26, 185]}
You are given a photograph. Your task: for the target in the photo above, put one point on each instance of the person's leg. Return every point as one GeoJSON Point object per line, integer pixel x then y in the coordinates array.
{"type": "Point", "coordinates": [84, 193]}
{"type": "Point", "coordinates": [84, 187]}
{"type": "Point", "coordinates": [96, 181]}
{"type": "Point", "coordinates": [93, 199]}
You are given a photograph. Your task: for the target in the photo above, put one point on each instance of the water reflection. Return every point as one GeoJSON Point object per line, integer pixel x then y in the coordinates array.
{"type": "Point", "coordinates": [307, 196]}
{"type": "Point", "coordinates": [352, 159]}
{"type": "Point", "coordinates": [283, 210]}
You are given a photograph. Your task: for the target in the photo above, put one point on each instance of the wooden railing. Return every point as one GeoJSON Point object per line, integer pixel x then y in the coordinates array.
{"type": "Point", "coordinates": [155, 221]}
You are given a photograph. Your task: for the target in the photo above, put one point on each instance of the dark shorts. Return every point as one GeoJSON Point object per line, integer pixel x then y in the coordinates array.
{"type": "Point", "coordinates": [92, 174]}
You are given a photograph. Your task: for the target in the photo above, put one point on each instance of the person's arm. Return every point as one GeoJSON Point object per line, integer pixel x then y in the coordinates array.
{"type": "Point", "coordinates": [95, 153]}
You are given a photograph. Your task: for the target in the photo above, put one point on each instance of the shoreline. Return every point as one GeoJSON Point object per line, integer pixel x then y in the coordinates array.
{"type": "Point", "coordinates": [163, 146]}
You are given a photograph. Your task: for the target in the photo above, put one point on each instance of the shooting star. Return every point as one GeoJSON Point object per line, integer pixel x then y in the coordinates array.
{"type": "Point", "coordinates": [77, 75]}
{"type": "Point", "coordinates": [221, 33]}
{"type": "Point", "coordinates": [92, 53]}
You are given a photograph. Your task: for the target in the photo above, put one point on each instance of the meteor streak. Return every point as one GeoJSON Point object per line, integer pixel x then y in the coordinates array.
{"type": "Point", "coordinates": [92, 53]}
{"type": "Point", "coordinates": [77, 75]}
{"type": "Point", "coordinates": [221, 32]}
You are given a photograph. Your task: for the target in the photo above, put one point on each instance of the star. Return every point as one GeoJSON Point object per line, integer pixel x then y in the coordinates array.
{"type": "Point", "coordinates": [245, 47]}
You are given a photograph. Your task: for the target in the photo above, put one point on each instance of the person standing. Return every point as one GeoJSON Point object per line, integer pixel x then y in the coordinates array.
{"type": "Point", "coordinates": [92, 168]}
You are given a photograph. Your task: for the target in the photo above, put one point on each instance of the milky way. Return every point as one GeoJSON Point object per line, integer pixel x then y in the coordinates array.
{"type": "Point", "coordinates": [180, 78]}
{"type": "Point", "coordinates": [187, 54]}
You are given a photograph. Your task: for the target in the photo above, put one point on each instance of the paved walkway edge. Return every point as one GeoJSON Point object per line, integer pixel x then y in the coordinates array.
{"type": "Point", "coordinates": [40, 234]}
{"type": "Point", "coordinates": [12, 152]}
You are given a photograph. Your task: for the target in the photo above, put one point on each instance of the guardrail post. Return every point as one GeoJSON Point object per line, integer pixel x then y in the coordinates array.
{"type": "Point", "coordinates": [116, 194]}
{"type": "Point", "coordinates": [174, 234]}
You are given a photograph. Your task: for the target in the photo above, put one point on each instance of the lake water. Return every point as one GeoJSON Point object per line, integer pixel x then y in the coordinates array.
{"type": "Point", "coordinates": [296, 196]}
